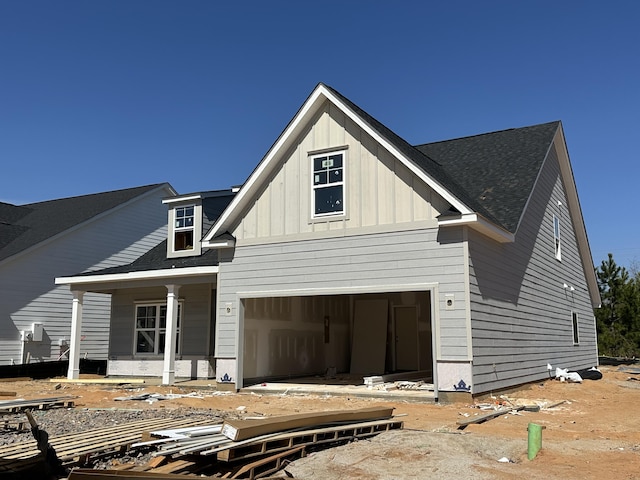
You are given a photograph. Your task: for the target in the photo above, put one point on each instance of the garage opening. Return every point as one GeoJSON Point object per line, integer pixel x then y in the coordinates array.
{"type": "Point", "coordinates": [337, 339]}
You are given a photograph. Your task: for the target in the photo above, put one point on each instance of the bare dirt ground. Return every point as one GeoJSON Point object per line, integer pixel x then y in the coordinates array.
{"type": "Point", "coordinates": [594, 434]}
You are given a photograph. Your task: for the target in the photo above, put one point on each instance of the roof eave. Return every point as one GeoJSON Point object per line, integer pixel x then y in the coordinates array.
{"type": "Point", "coordinates": [219, 243]}
{"type": "Point", "coordinates": [168, 274]}
{"type": "Point", "coordinates": [480, 224]}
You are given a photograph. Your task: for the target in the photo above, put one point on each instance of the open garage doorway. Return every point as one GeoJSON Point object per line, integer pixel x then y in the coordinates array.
{"type": "Point", "coordinates": [337, 339]}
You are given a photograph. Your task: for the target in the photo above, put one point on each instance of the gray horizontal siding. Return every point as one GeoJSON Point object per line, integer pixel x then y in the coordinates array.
{"type": "Point", "coordinates": [520, 312]}
{"type": "Point", "coordinates": [27, 289]}
{"type": "Point", "coordinates": [367, 261]}
{"type": "Point", "coordinates": [196, 318]}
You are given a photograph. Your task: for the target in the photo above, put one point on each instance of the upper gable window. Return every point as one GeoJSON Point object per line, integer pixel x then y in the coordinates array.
{"type": "Point", "coordinates": [328, 184]}
{"type": "Point", "coordinates": [183, 230]}
{"type": "Point", "coordinates": [556, 237]}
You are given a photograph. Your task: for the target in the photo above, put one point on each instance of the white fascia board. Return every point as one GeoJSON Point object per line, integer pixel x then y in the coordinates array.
{"type": "Point", "coordinates": [312, 104]}
{"type": "Point", "coordinates": [310, 107]}
{"type": "Point", "coordinates": [230, 243]}
{"type": "Point", "coordinates": [439, 189]}
{"type": "Point", "coordinates": [480, 224]}
{"type": "Point", "coordinates": [173, 273]}
{"type": "Point", "coordinates": [584, 249]}
{"type": "Point", "coordinates": [182, 199]}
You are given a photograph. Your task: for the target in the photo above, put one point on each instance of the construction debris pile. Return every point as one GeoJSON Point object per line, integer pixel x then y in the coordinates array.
{"type": "Point", "coordinates": [246, 448]}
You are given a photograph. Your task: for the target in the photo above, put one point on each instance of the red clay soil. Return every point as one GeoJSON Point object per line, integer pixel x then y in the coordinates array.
{"type": "Point", "coordinates": [594, 434]}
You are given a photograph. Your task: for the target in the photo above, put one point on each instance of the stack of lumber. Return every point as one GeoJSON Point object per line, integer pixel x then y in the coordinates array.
{"type": "Point", "coordinates": [249, 448]}
{"type": "Point", "coordinates": [79, 448]}
{"type": "Point", "coordinates": [13, 406]}
{"type": "Point", "coordinates": [254, 448]}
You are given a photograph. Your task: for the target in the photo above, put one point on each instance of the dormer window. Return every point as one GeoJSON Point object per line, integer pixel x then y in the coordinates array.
{"type": "Point", "coordinates": [184, 235]}
{"type": "Point", "coordinates": [183, 229]}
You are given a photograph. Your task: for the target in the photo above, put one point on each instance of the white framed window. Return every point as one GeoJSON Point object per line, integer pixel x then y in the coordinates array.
{"type": "Point", "coordinates": [574, 327]}
{"type": "Point", "coordinates": [183, 228]}
{"type": "Point", "coordinates": [151, 328]}
{"type": "Point", "coordinates": [556, 238]}
{"type": "Point", "coordinates": [328, 188]}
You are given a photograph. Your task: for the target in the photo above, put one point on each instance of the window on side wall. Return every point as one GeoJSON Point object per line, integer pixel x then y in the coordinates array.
{"type": "Point", "coordinates": [556, 238]}
{"type": "Point", "coordinates": [151, 328]}
{"type": "Point", "coordinates": [328, 184]}
{"type": "Point", "coordinates": [574, 326]}
{"type": "Point", "coordinates": [183, 229]}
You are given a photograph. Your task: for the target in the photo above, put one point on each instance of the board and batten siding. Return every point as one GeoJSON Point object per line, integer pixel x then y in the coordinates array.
{"type": "Point", "coordinates": [521, 314]}
{"type": "Point", "coordinates": [373, 262]}
{"type": "Point", "coordinates": [380, 191]}
{"type": "Point", "coordinates": [195, 323]}
{"type": "Point", "coordinates": [27, 280]}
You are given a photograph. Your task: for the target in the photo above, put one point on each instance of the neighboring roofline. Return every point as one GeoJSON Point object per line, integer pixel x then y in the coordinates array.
{"type": "Point", "coordinates": [584, 250]}
{"type": "Point", "coordinates": [95, 218]}
{"type": "Point", "coordinates": [480, 224]}
{"type": "Point", "coordinates": [169, 273]}
{"type": "Point", "coordinates": [314, 102]}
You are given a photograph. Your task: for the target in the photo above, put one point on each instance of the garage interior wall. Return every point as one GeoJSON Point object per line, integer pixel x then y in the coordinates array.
{"type": "Point", "coordinates": [288, 337]}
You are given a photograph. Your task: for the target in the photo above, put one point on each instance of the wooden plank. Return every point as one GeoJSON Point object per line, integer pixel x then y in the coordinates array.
{"type": "Point", "coordinates": [92, 442]}
{"type": "Point", "coordinates": [267, 466]}
{"type": "Point", "coordinates": [244, 429]}
{"type": "Point", "coordinates": [90, 474]}
{"type": "Point", "coordinates": [270, 444]}
{"type": "Point", "coordinates": [173, 467]}
{"type": "Point", "coordinates": [116, 381]}
{"type": "Point", "coordinates": [483, 418]}
{"type": "Point", "coordinates": [8, 394]}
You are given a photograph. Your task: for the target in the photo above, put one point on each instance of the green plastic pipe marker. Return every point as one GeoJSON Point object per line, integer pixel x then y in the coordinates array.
{"type": "Point", "coordinates": [534, 443]}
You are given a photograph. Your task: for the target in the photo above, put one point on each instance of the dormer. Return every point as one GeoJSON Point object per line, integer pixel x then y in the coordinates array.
{"type": "Point", "coordinates": [189, 216]}
{"type": "Point", "coordinates": [184, 230]}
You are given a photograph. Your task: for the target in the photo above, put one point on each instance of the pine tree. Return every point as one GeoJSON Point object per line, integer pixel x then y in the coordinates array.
{"type": "Point", "coordinates": [618, 319]}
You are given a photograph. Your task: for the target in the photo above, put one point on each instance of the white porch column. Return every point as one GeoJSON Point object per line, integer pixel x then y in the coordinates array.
{"type": "Point", "coordinates": [168, 370]}
{"type": "Point", "coordinates": [76, 327]}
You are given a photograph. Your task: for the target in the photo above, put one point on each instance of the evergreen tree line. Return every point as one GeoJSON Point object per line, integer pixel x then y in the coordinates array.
{"type": "Point", "coordinates": [618, 319]}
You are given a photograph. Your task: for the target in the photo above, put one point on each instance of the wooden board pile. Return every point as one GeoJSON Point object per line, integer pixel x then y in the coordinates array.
{"type": "Point", "coordinates": [19, 405]}
{"type": "Point", "coordinates": [251, 448]}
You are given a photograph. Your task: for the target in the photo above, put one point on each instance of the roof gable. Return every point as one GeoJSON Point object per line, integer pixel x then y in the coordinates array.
{"type": "Point", "coordinates": [34, 223]}
{"type": "Point", "coordinates": [418, 163]}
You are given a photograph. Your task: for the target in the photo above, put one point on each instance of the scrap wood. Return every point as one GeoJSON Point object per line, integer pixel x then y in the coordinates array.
{"type": "Point", "coordinates": [152, 397]}
{"type": "Point", "coordinates": [90, 474]}
{"type": "Point", "coordinates": [483, 418]}
{"type": "Point", "coordinates": [285, 440]}
{"type": "Point", "coordinates": [8, 394]}
{"type": "Point", "coordinates": [269, 465]}
{"type": "Point", "coordinates": [244, 429]}
{"type": "Point", "coordinates": [72, 448]}
{"type": "Point", "coordinates": [13, 406]}
{"type": "Point", "coordinates": [116, 381]}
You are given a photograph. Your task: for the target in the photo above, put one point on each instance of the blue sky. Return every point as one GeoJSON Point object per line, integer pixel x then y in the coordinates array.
{"type": "Point", "coordinates": [102, 95]}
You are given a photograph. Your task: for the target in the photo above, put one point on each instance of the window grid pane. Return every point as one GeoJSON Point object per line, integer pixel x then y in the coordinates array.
{"type": "Point", "coordinates": [150, 326]}
{"type": "Point", "coordinates": [328, 186]}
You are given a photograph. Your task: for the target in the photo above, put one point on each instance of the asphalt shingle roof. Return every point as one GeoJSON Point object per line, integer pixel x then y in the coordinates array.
{"type": "Point", "coordinates": [498, 170]}
{"type": "Point", "coordinates": [24, 226]}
